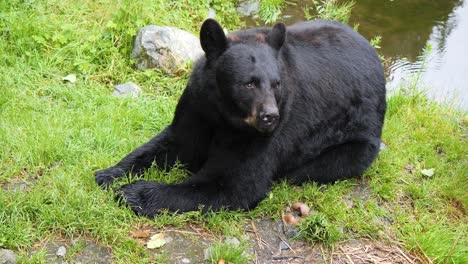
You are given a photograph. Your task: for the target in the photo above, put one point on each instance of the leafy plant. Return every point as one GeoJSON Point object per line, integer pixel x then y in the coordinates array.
{"type": "Point", "coordinates": [330, 9]}
{"type": "Point", "coordinates": [270, 10]}
{"type": "Point", "coordinates": [318, 228]}
{"type": "Point", "coordinates": [229, 253]}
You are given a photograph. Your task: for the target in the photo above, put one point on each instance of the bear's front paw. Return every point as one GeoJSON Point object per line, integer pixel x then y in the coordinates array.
{"type": "Point", "coordinates": [139, 196]}
{"type": "Point", "coordinates": [107, 176]}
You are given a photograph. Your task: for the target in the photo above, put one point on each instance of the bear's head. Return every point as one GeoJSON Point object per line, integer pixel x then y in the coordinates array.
{"type": "Point", "coordinates": [247, 75]}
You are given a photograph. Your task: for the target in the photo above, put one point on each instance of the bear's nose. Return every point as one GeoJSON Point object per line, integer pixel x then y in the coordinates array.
{"type": "Point", "coordinates": [269, 118]}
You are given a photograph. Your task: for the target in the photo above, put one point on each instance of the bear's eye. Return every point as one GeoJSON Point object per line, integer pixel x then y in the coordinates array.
{"type": "Point", "coordinates": [276, 84]}
{"type": "Point", "coordinates": [250, 85]}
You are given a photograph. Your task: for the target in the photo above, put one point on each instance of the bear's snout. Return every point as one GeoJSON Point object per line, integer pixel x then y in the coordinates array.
{"type": "Point", "coordinates": [268, 118]}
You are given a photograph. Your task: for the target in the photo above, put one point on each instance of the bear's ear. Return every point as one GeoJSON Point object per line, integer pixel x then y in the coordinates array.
{"type": "Point", "coordinates": [212, 39]}
{"type": "Point", "coordinates": [277, 35]}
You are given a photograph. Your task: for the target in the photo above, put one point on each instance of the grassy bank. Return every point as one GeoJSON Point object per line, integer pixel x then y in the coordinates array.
{"type": "Point", "coordinates": [55, 134]}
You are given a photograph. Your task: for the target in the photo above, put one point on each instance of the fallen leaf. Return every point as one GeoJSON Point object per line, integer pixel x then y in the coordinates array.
{"type": "Point", "coordinates": [140, 233]}
{"type": "Point", "coordinates": [428, 172]}
{"type": "Point", "coordinates": [290, 219]}
{"type": "Point", "coordinates": [70, 78]}
{"type": "Point", "coordinates": [301, 208]}
{"type": "Point", "coordinates": [156, 241]}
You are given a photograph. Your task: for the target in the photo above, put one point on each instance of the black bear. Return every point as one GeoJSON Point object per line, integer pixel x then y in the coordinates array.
{"type": "Point", "coordinates": [303, 102]}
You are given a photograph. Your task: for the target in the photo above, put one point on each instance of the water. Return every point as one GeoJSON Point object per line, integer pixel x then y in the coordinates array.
{"type": "Point", "coordinates": [406, 28]}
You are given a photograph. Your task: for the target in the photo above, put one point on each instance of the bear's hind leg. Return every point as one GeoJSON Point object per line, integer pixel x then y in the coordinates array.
{"type": "Point", "coordinates": [343, 161]}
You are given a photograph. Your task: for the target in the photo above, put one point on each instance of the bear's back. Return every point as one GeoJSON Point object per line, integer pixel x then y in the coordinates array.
{"type": "Point", "coordinates": [333, 72]}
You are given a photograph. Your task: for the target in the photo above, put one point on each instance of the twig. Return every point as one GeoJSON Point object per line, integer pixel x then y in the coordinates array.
{"type": "Point", "coordinates": [287, 245]}
{"type": "Point", "coordinates": [347, 256]}
{"type": "Point", "coordinates": [256, 256]}
{"type": "Point", "coordinates": [404, 255]}
{"type": "Point", "coordinates": [197, 230]}
{"type": "Point", "coordinates": [424, 253]}
{"type": "Point", "coordinates": [453, 247]}
{"type": "Point", "coordinates": [181, 231]}
{"type": "Point", "coordinates": [287, 257]}
{"type": "Point", "coordinates": [323, 254]}
{"type": "Point", "coordinates": [257, 236]}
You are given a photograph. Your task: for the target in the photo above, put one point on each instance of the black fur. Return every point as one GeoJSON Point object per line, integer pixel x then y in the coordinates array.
{"type": "Point", "coordinates": [306, 102]}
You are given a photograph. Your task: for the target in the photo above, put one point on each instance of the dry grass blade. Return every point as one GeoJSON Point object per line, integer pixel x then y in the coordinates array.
{"type": "Point", "coordinates": [453, 248]}
{"type": "Point", "coordinates": [287, 244]}
{"type": "Point", "coordinates": [427, 259]}
{"type": "Point", "coordinates": [260, 242]}
{"type": "Point", "coordinates": [404, 255]}
{"type": "Point", "coordinates": [347, 256]}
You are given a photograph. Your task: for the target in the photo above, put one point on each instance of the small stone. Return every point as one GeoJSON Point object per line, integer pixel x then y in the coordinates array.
{"type": "Point", "coordinates": [349, 202]}
{"type": "Point", "coordinates": [7, 256]}
{"type": "Point", "coordinates": [291, 233]}
{"type": "Point", "coordinates": [211, 13]}
{"type": "Point", "coordinates": [61, 251]}
{"type": "Point", "coordinates": [283, 245]}
{"type": "Point", "coordinates": [70, 78]}
{"type": "Point", "coordinates": [185, 260]}
{"type": "Point", "coordinates": [232, 241]}
{"type": "Point", "coordinates": [383, 146]}
{"type": "Point", "coordinates": [127, 89]}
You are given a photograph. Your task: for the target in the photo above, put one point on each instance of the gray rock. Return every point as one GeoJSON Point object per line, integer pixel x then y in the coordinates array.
{"type": "Point", "coordinates": [248, 8]}
{"type": "Point", "coordinates": [167, 48]}
{"type": "Point", "coordinates": [289, 231]}
{"type": "Point", "coordinates": [168, 239]}
{"type": "Point", "coordinates": [183, 246]}
{"type": "Point", "coordinates": [383, 146]}
{"type": "Point", "coordinates": [232, 241]}
{"type": "Point", "coordinates": [127, 89]}
{"type": "Point", "coordinates": [16, 185]}
{"type": "Point", "coordinates": [61, 251]}
{"type": "Point", "coordinates": [211, 13]}
{"type": "Point", "coordinates": [283, 245]}
{"type": "Point", "coordinates": [207, 253]}
{"type": "Point", "coordinates": [7, 256]}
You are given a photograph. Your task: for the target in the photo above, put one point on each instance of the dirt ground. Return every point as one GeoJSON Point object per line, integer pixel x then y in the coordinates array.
{"type": "Point", "coordinates": [270, 242]}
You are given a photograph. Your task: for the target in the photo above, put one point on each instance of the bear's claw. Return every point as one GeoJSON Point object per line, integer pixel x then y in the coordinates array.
{"type": "Point", "coordinates": [106, 177]}
{"type": "Point", "coordinates": [136, 195]}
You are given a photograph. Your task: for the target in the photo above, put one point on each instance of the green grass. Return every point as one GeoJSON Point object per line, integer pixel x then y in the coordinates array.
{"type": "Point", "coordinates": [330, 9]}
{"type": "Point", "coordinates": [270, 10]}
{"type": "Point", "coordinates": [229, 253]}
{"type": "Point", "coordinates": [55, 135]}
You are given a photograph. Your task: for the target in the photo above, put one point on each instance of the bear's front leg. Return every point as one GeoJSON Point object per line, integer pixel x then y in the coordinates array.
{"type": "Point", "coordinates": [156, 150]}
{"type": "Point", "coordinates": [186, 140]}
{"type": "Point", "coordinates": [148, 198]}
